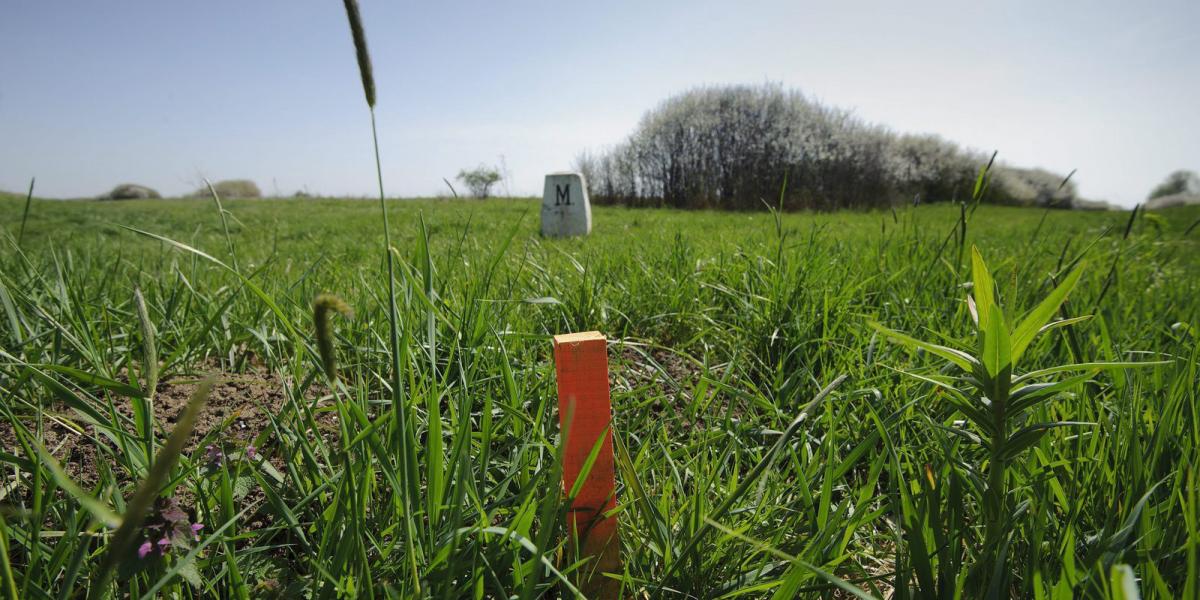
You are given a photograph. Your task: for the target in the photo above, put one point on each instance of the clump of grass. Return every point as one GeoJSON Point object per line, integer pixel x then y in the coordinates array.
{"type": "Point", "coordinates": [405, 432]}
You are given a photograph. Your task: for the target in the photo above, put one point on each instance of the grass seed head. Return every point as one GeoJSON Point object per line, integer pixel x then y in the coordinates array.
{"type": "Point", "coordinates": [322, 307]}
{"type": "Point", "coordinates": [360, 47]}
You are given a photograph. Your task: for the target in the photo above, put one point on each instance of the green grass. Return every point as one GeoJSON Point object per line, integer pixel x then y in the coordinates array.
{"type": "Point", "coordinates": [724, 329]}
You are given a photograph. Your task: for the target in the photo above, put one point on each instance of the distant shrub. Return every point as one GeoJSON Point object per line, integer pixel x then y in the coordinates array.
{"type": "Point", "coordinates": [130, 191]}
{"type": "Point", "coordinates": [734, 147]}
{"type": "Point", "coordinates": [480, 180]}
{"type": "Point", "coordinates": [1032, 187]}
{"type": "Point", "coordinates": [1179, 182]}
{"type": "Point", "coordinates": [1180, 199]}
{"type": "Point", "coordinates": [1084, 204]}
{"type": "Point", "coordinates": [231, 188]}
{"type": "Point", "coordinates": [928, 167]}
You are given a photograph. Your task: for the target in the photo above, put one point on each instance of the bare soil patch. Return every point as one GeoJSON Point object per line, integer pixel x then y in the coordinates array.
{"type": "Point", "coordinates": [237, 409]}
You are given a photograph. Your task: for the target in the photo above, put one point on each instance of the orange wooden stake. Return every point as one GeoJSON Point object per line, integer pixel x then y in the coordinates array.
{"type": "Point", "coordinates": [584, 415]}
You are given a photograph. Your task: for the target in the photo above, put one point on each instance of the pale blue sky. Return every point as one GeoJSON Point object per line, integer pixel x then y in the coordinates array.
{"type": "Point", "coordinates": [163, 92]}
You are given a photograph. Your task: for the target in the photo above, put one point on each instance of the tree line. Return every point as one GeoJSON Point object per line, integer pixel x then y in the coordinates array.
{"type": "Point", "coordinates": [739, 147]}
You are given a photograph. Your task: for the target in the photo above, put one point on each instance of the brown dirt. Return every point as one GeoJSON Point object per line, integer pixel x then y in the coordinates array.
{"type": "Point", "coordinates": [63, 441]}
{"type": "Point", "coordinates": [239, 404]}
{"type": "Point", "coordinates": [632, 363]}
{"type": "Point", "coordinates": [237, 407]}
{"type": "Point", "coordinates": [661, 378]}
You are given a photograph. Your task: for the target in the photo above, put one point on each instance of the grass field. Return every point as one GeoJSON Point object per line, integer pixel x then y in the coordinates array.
{"type": "Point", "coordinates": [723, 328]}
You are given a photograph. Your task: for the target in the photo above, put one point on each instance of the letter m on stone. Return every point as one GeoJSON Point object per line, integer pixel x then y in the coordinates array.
{"type": "Point", "coordinates": [562, 195]}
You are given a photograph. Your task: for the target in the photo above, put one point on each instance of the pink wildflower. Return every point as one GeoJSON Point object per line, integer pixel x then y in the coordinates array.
{"type": "Point", "coordinates": [214, 454]}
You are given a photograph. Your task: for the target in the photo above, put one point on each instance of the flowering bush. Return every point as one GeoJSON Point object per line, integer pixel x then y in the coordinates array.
{"type": "Point", "coordinates": [734, 147]}
{"type": "Point", "coordinates": [1032, 187]}
{"type": "Point", "coordinates": [1179, 182]}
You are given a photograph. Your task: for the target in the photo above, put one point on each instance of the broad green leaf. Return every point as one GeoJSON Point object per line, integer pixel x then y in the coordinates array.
{"type": "Point", "coordinates": [1109, 351]}
{"type": "Point", "coordinates": [959, 400]}
{"type": "Point", "coordinates": [1027, 396]}
{"type": "Point", "coordinates": [938, 381]}
{"type": "Point", "coordinates": [994, 345]}
{"type": "Point", "coordinates": [1028, 436]}
{"type": "Point", "coordinates": [958, 357]}
{"type": "Point", "coordinates": [181, 246]}
{"type": "Point", "coordinates": [1029, 328]}
{"type": "Point", "coordinates": [187, 571]}
{"type": "Point", "coordinates": [1120, 539]}
{"type": "Point", "coordinates": [997, 350]}
{"type": "Point", "coordinates": [982, 288]}
{"type": "Point", "coordinates": [1090, 367]}
{"type": "Point", "coordinates": [962, 433]}
{"type": "Point", "coordinates": [795, 577]}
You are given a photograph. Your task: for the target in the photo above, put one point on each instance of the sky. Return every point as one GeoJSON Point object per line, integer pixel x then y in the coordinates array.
{"type": "Point", "coordinates": [165, 93]}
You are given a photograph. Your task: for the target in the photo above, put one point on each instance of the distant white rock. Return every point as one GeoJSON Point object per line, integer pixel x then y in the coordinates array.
{"type": "Point", "coordinates": [1180, 199]}
{"type": "Point", "coordinates": [565, 207]}
{"type": "Point", "coordinates": [130, 191]}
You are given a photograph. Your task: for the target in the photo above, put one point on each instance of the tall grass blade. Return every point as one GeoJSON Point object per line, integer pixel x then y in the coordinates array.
{"type": "Point", "coordinates": [224, 223]}
{"type": "Point", "coordinates": [7, 578]}
{"type": "Point", "coordinates": [405, 436]}
{"type": "Point", "coordinates": [25, 213]}
{"type": "Point", "coordinates": [144, 405]}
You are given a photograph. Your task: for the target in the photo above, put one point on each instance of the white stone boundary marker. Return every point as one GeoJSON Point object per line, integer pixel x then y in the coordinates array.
{"type": "Point", "coordinates": [565, 207]}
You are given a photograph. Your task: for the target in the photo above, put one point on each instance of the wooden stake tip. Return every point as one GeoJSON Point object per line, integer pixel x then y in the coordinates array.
{"type": "Point", "coordinates": [576, 338]}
